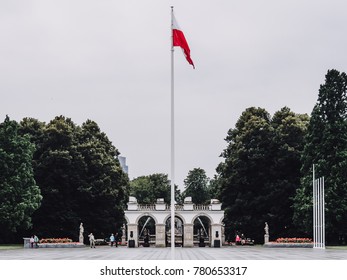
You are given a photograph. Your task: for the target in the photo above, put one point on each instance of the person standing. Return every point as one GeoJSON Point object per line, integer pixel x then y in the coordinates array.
{"type": "Point", "coordinates": [112, 239]}
{"type": "Point", "coordinates": [36, 241]}
{"type": "Point", "coordinates": [116, 238]}
{"type": "Point", "coordinates": [91, 240]}
{"type": "Point", "coordinates": [32, 241]}
{"type": "Point", "coordinates": [237, 240]}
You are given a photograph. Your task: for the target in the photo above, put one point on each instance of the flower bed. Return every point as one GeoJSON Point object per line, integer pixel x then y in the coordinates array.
{"type": "Point", "coordinates": [293, 240]}
{"type": "Point", "coordinates": [55, 240]}
{"type": "Point", "coordinates": [290, 243]}
{"type": "Point", "coordinates": [59, 243]}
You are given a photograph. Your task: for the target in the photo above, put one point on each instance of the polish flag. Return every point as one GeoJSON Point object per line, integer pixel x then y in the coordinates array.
{"type": "Point", "coordinates": [178, 40]}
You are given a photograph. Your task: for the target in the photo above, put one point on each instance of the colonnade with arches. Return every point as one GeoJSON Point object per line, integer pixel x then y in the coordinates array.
{"type": "Point", "coordinates": [195, 225]}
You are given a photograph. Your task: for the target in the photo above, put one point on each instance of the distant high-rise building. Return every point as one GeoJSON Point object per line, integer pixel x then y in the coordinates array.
{"type": "Point", "coordinates": [122, 161]}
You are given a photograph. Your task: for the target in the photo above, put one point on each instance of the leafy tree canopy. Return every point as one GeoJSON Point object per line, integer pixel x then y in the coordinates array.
{"type": "Point", "coordinates": [197, 186]}
{"type": "Point", "coordinates": [326, 147]}
{"type": "Point", "coordinates": [19, 194]}
{"type": "Point", "coordinates": [147, 189]}
{"type": "Point", "coordinates": [261, 171]}
{"type": "Point", "coordinates": [80, 178]}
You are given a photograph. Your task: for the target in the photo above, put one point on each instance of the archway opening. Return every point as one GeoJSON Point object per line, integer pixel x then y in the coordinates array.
{"type": "Point", "coordinates": [202, 231]}
{"type": "Point", "coordinates": [146, 231]}
{"type": "Point", "coordinates": [179, 232]}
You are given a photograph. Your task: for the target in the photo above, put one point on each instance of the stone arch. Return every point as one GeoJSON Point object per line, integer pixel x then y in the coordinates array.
{"type": "Point", "coordinates": [204, 215]}
{"type": "Point", "coordinates": [202, 231]}
{"type": "Point", "coordinates": [176, 215]}
{"type": "Point", "coordinates": [146, 229]}
{"type": "Point", "coordinates": [179, 231]}
{"type": "Point", "coordinates": [146, 214]}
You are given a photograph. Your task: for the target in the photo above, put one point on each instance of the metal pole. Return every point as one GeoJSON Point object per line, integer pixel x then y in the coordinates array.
{"type": "Point", "coordinates": [314, 208]}
{"type": "Point", "coordinates": [172, 146]}
{"type": "Point", "coordinates": [319, 228]}
{"type": "Point", "coordinates": [323, 214]}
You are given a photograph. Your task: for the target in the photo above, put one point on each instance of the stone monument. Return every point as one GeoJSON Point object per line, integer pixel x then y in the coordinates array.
{"type": "Point", "coordinates": [81, 233]}
{"type": "Point", "coordinates": [123, 235]}
{"type": "Point", "coordinates": [266, 235]}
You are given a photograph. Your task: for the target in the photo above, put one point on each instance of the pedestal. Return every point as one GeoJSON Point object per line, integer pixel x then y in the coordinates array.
{"type": "Point", "coordinates": [123, 240]}
{"type": "Point", "coordinates": [131, 243]}
{"type": "Point", "coordinates": [266, 238]}
{"type": "Point", "coordinates": [216, 243]}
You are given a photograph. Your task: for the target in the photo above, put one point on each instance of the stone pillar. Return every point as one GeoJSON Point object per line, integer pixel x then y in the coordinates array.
{"type": "Point", "coordinates": [188, 235]}
{"type": "Point", "coordinates": [160, 235]}
{"type": "Point", "coordinates": [266, 238]}
{"type": "Point", "coordinates": [133, 234]}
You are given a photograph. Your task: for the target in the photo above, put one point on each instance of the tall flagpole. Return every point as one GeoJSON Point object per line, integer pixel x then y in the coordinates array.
{"type": "Point", "coordinates": [172, 146]}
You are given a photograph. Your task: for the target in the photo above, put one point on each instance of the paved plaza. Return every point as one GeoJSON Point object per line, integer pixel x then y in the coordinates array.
{"type": "Point", "coordinates": [152, 253]}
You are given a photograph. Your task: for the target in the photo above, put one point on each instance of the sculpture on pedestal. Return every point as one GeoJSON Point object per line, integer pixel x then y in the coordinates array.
{"type": "Point", "coordinates": [266, 235]}
{"type": "Point", "coordinates": [81, 233]}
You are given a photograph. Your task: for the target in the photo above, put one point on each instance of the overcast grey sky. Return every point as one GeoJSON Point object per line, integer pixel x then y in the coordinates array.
{"type": "Point", "coordinates": [109, 61]}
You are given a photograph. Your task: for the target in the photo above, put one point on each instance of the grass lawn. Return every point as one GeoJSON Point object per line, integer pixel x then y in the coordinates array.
{"type": "Point", "coordinates": [337, 247]}
{"type": "Point", "coordinates": [10, 246]}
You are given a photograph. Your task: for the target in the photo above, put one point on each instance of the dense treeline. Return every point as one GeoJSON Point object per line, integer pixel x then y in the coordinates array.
{"type": "Point", "coordinates": [77, 175]}
{"type": "Point", "coordinates": [55, 175]}
{"type": "Point", "coordinates": [266, 175]}
{"type": "Point", "coordinates": [261, 172]}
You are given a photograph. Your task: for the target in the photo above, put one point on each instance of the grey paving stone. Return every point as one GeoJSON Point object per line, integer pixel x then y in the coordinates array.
{"type": "Point", "coordinates": [152, 253]}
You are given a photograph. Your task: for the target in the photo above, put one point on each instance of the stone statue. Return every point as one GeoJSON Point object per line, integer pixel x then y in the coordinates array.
{"type": "Point", "coordinates": [266, 229]}
{"type": "Point", "coordinates": [81, 233]}
{"type": "Point", "coordinates": [123, 234]}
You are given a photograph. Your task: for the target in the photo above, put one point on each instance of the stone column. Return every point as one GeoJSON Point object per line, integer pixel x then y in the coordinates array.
{"type": "Point", "coordinates": [188, 235]}
{"type": "Point", "coordinates": [160, 235]}
{"type": "Point", "coordinates": [132, 230]}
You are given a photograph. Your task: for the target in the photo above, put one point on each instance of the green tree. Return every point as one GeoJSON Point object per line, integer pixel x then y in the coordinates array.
{"type": "Point", "coordinates": [244, 173]}
{"type": "Point", "coordinates": [288, 142]}
{"type": "Point", "coordinates": [80, 178]}
{"type": "Point", "coordinates": [326, 147]}
{"type": "Point", "coordinates": [261, 171]}
{"type": "Point", "coordinates": [19, 194]}
{"type": "Point", "coordinates": [103, 187]}
{"type": "Point", "coordinates": [197, 186]}
{"type": "Point", "coordinates": [147, 189]}
{"type": "Point", "coordinates": [55, 173]}
{"type": "Point", "coordinates": [215, 186]}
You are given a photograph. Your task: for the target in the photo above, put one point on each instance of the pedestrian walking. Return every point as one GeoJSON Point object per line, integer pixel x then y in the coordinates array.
{"type": "Point", "coordinates": [91, 240]}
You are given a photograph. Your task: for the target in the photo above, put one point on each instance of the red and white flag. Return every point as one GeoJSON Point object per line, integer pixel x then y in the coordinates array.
{"type": "Point", "coordinates": [178, 40]}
